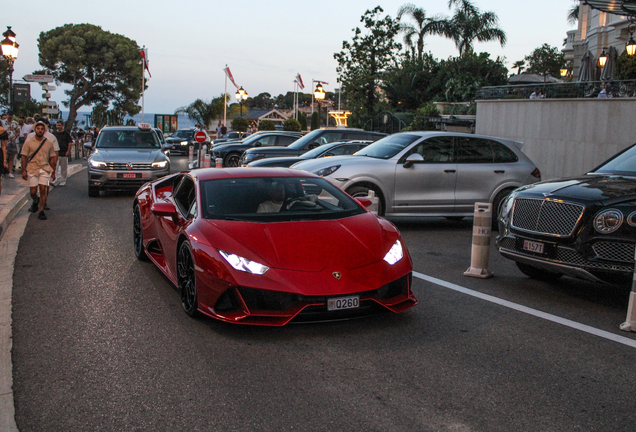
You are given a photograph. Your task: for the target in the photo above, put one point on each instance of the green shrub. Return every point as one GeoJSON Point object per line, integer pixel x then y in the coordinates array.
{"type": "Point", "coordinates": [292, 125]}
{"type": "Point", "coordinates": [240, 124]}
{"type": "Point", "coordinates": [626, 66]}
{"type": "Point", "coordinates": [429, 109]}
{"type": "Point", "coordinates": [314, 120]}
{"type": "Point", "coordinates": [266, 125]}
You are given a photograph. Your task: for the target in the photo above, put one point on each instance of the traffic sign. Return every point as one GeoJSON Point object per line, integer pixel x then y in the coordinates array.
{"type": "Point", "coordinates": [49, 103]}
{"type": "Point", "coordinates": [48, 87]}
{"type": "Point", "coordinates": [46, 95]}
{"type": "Point", "coordinates": [200, 136]}
{"type": "Point", "coordinates": [50, 111]}
{"type": "Point", "coordinates": [38, 78]}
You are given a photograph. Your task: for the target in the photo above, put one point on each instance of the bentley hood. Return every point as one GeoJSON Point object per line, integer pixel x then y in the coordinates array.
{"type": "Point", "coordinates": [346, 243]}
{"type": "Point", "coordinates": [603, 189]}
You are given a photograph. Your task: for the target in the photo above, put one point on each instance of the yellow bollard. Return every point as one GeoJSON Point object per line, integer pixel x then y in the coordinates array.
{"type": "Point", "coordinates": [481, 242]}
{"type": "Point", "coordinates": [630, 322]}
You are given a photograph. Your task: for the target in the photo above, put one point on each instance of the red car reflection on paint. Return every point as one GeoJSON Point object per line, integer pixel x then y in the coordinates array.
{"type": "Point", "coordinates": [268, 246]}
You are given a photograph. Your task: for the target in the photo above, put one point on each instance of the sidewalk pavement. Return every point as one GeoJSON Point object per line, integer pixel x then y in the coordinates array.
{"type": "Point", "coordinates": [15, 194]}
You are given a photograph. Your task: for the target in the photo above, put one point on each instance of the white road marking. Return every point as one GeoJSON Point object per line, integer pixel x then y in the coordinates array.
{"type": "Point", "coordinates": [537, 313]}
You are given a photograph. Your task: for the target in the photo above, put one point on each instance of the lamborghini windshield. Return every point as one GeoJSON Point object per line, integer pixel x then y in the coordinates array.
{"type": "Point", "coordinates": [275, 199]}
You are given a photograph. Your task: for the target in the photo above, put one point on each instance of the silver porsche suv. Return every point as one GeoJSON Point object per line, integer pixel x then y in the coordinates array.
{"type": "Point", "coordinates": [430, 173]}
{"type": "Point", "coordinates": [126, 157]}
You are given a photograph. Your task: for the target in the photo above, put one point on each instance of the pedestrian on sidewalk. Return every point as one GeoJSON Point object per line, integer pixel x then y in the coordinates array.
{"type": "Point", "coordinates": [38, 167]}
{"type": "Point", "coordinates": [64, 140]}
{"type": "Point", "coordinates": [3, 148]}
{"type": "Point", "coordinates": [13, 129]}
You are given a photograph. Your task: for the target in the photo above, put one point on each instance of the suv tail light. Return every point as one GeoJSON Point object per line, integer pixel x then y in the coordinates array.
{"type": "Point", "coordinates": [536, 173]}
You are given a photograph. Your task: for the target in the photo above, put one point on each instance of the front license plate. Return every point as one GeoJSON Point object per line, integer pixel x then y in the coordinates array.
{"type": "Point", "coordinates": [341, 303]}
{"type": "Point", "coordinates": [532, 246]}
{"type": "Point", "coordinates": [129, 175]}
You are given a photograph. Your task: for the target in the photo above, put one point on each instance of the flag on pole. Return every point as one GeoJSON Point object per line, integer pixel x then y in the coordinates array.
{"type": "Point", "coordinates": [144, 56]}
{"type": "Point", "coordinates": [299, 80]}
{"type": "Point", "coordinates": [321, 82]}
{"type": "Point", "coordinates": [229, 75]}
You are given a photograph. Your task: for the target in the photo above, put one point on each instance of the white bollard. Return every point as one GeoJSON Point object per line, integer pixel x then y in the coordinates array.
{"type": "Point", "coordinates": [481, 242]}
{"type": "Point", "coordinates": [219, 162]}
{"type": "Point", "coordinates": [630, 321]}
{"type": "Point", "coordinates": [373, 208]}
{"type": "Point", "coordinates": [190, 155]}
{"type": "Point", "coordinates": [206, 157]}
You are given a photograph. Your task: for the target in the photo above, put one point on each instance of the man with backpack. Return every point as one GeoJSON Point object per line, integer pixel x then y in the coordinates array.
{"type": "Point", "coordinates": [38, 166]}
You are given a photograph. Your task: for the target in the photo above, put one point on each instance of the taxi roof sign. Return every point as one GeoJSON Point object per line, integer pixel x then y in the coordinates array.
{"type": "Point", "coordinates": [144, 126]}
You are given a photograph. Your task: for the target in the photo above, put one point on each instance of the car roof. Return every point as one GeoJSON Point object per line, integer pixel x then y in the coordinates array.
{"type": "Point", "coordinates": [217, 173]}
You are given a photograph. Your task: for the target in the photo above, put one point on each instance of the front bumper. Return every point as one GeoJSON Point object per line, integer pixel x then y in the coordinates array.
{"type": "Point", "coordinates": [123, 180]}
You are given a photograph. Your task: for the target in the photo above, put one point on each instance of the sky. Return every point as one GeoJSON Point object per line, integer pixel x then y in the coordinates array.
{"type": "Point", "coordinates": [265, 44]}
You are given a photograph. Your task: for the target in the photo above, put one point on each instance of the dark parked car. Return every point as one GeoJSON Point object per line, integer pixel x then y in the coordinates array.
{"type": "Point", "coordinates": [182, 140]}
{"type": "Point", "coordinates": [231, 136]}
{"type": "Point", "coordinates": [583, 227]}
{"type": "Point", "coordinates": [331, 149]}
{"type": "Point", "coordinates": [231, 151]}
{"type": "Point", "coordinates": [310, 141]}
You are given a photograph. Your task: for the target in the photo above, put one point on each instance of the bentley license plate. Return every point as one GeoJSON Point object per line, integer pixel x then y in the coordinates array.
{"type": "Point", "coordinates": [341, 303]}
{"type": "Point", "coordinates": [532, 246]}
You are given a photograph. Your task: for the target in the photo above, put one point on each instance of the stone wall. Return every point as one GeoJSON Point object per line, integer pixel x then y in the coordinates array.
{"type": "Point", "coordinates": [563, 137]}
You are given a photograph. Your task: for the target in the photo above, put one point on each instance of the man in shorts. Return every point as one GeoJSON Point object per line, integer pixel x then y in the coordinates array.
{"type": "Point", "coordinates": [38, 166]}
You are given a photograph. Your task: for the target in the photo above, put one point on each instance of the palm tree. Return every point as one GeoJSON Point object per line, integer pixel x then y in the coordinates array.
{"type": "Point", "coordinates": [424, 26]}
{"type": "Point", "coordinates": [573, 13]}
{"type": "Point", "coordinates": [469, 24]}
{"type": "Point", "coordinates": [203, 112]}
{"type": "Point", "coordinates": [519, 64]}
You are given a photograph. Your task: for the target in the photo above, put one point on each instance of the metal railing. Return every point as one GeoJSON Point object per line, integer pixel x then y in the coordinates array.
{"type": "Point", "coordinates": [588, 89]}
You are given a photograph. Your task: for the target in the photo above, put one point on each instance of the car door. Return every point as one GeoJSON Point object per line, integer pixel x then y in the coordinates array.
{"type": "Point", "coordinates": [428, 186]}
{"type": "Point", "coordinates": [184, 199]}
{"type": "Point", "coordinates": [478, 173]}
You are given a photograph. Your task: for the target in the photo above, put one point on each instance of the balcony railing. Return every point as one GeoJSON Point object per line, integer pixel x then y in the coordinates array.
{"type": "Point", "coordinates": [588, 89]}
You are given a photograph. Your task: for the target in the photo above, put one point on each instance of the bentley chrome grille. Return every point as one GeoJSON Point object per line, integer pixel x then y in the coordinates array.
{"type": "Point", "coordinates": [128, 166]}
{"type": "Point", "coordinates": [547, 216]}
{"type": "Point", "coordinates": [614, 251]}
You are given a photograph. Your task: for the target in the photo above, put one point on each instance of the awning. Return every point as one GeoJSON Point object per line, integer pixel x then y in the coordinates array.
{"type": "Point", "coordinates": [616, 7]}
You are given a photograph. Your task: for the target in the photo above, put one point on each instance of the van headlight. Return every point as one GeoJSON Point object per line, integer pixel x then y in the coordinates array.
{"type": "Point", "coordinates": [98, 164]}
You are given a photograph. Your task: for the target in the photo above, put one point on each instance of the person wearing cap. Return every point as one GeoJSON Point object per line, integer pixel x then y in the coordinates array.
{"type": "Point", "coordinates": [38, 167]}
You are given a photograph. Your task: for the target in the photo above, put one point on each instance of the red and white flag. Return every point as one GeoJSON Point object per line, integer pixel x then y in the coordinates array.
{"type": "Point", "coordinates": [321, 82]}
{"type": "Point", "coordinates": [299, 80]}
{"type": "Point", "coordinates": [229, 75]}
{"type": "Point", "coordinates": [144, 56]}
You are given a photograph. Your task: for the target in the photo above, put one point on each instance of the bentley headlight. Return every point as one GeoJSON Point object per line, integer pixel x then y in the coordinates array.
{"type": "Point", "coordinates": [243, 264]}
{"type": "Point", "coordinates": [327, 171]}
{"type": "Point", "coordinates": [98, 164]}
{"type": "Point", "coordinates": [608, 221]}
{"type": "Point", "coordinates": [395, 254]}
{"type": "Point", "coordinates": [160, 165]}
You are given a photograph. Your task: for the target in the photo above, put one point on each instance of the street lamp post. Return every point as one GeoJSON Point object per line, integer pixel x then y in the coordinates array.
{"type": "Point", "coordinates": [319, 94]}
{"type": "Point", "coordinates": [241, 95]}
{"type": "Point", "coordinates": [10, 54]}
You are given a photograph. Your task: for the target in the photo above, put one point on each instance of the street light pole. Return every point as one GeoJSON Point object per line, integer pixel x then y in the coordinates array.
{"type": "Point", "coordinates": [10, 54]}
{"type": "Point", "coordinates": [241, 95]}
{"type": "Point", "coordinates": [319, 94]}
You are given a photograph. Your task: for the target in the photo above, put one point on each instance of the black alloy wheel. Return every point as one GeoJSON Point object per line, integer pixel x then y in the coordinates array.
{"type": "Point", "coordinates": [232, 160]}
{"type": "Point", "coordinates": [138, 235]}
{"type": "Point", "coordinates": [363, 191]}
{"type": "Point", "coordinates": [187, 279]}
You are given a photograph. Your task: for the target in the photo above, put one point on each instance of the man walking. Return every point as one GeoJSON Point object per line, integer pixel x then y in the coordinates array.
{"type": "Point", "coordinates": [38, 162]}
{"type": "Point", "coordinates": [13, 128]}
{"type": "Point", "coordinates": [64, 140]}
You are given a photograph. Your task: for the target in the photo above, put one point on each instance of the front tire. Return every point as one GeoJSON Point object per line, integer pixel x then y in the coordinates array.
{"type": "Point", "coordinates": [138, 235]}
{"type": "Point", "coordinates": [187, 279]}
{"type": "Point", "coordinates": [363, 191]}
{"type": "Point", "coordinates": [537, 273]}
{"type": "Point", "coordinates": [232, 160]}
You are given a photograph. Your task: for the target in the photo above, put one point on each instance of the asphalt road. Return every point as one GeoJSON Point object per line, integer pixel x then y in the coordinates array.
{"type": "Point", "coordinates": [101, 344]}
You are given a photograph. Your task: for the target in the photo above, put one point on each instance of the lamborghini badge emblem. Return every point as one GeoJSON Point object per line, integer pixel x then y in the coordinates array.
{"type": "Point", "coordinates": [337, 275]}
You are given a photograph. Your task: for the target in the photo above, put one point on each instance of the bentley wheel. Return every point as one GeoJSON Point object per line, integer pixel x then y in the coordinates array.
{"type": "Point", "coordinates": [232, 160]}
{"type": "Point", "coordinates": [187, 279]}
{"type": "Point", "coordinates": [363, 191]}
{"type": "Point", "coordinates": [138, 235]}
{"type": "Point", "coordinates": [537, 273]}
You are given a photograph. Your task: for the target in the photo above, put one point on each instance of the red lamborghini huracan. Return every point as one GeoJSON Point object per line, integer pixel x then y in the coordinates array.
{"type": "Point", "coordinates": [267, 246]}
